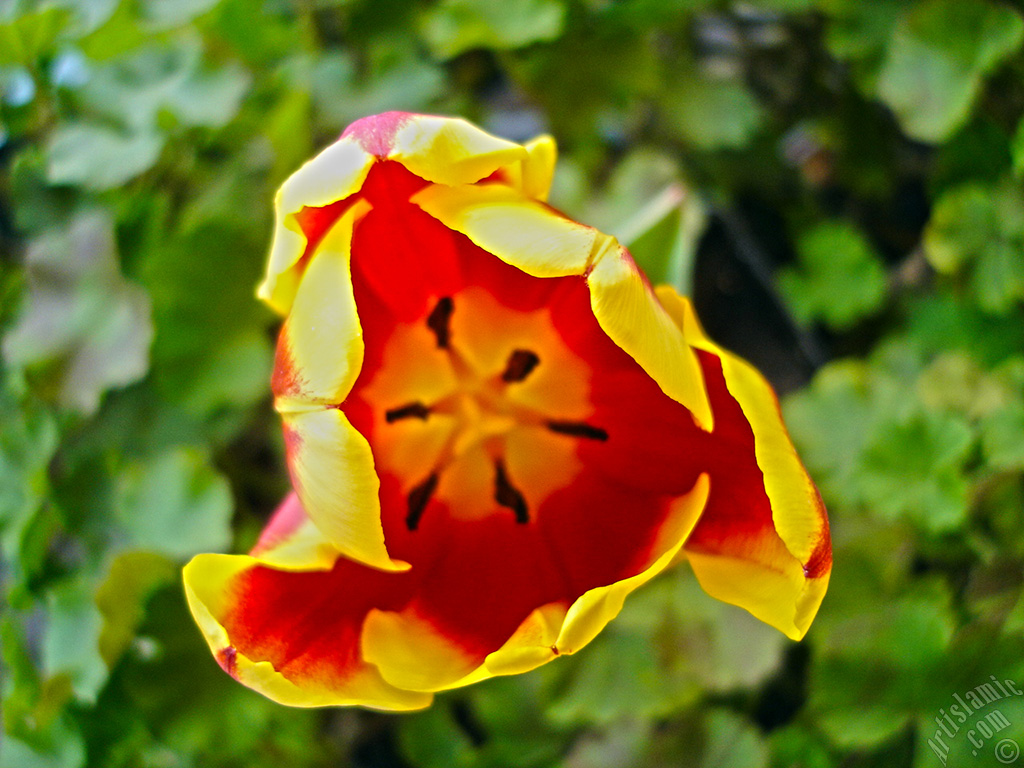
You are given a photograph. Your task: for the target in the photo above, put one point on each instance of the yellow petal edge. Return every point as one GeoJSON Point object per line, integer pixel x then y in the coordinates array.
{"type": "Point", "coordinates": [443, 150]}
{"type": "Point", "coordinates": [399, 672]}
{"type": "Point", "coordinates": [783, 597]}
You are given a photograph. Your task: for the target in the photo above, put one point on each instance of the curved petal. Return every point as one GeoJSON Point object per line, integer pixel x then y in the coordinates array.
{"type": "Point", "coordinates": [332, 470]}
{"type": "Point", "coordinates": [292, 541]}
{"type": "Point", "coordinates": [211, 587]}
{"type": "Point", "coordinates": [533, 175]}
{"type": "Point", "coordinates": [439, 149]}
{"type": "Point", "coordinates": [534, 238]}
{"type": "Point", "coordinates": [335, 174]}
{"type": "Point", "coordinates": [778, 571]}
{"type": "Point", "coordinates": [444, 150]}
{"type": "Point", "coordinates": [320, 349]}
{"type": "Point", "coordinates": [522, 232]}
{"type": "Point", "coordinates": [552, 630]}
{"type": "Point", "coordinates": [594, 609]}
{"type": "Point", "coordinates": [412, 653]}
{"type": "Point", "coordinates": [539, 167]}
{"type": "Point", "coordinates": [215, 585]}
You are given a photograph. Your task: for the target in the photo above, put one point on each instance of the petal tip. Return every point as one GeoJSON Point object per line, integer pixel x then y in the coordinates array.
{"type": "Point", "coordinates": [376, 133]}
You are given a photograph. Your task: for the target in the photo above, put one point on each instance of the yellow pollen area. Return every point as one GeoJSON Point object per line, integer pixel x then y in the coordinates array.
{"type": "Point", "coordinates": [473, 419]}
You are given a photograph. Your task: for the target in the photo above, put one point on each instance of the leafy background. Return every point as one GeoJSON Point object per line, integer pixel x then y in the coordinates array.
{"type": "Point", "coordinates": [836, 182]}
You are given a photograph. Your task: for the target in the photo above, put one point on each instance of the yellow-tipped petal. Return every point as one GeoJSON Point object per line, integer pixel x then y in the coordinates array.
{"type": "Point", "coordinates": [207, 580]}
{"type": "Point", "coordinates": [534, 238]}
{"type": "Point", "coordinates": [631, 315]}
{"type": "Point", "coordinates": [335, 174]}
{"type": "Point", "coordinates": [782, 589]}
{"type": "Point", "coordinates": [411, 654]}
{"type": "Point", "coordinates": [292, 542]}
{"type": "Point", "coordinates": [539, 167]}
{"type": "Point", "coordinates": [783, 598]}
{"type": "Point", "coordinates": [449, 150]}
{"type": "Point", "coordinates": [320, 350]}
{"type": "Point", "coordinates": [532, 645]}
{"type": "Point", "coordinates": [594, 609]}
{"type": "Point", "coordinates": [533, 175]}
{"type": "Point", "coordinates": [333, 473]}
{"type": "Point", "coordinates": [522, 232]}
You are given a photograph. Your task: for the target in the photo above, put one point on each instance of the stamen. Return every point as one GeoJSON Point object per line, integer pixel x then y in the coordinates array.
{"type": "Point", "coordinates": [410, 410]}
{"type": "Point", "coordinates": [520, 364]}
{"type": "Point", "coordinates": [418, 499]}
{"type": "Point", "coordinates": [578, 429]}
{"type": "Point", "coordinates": [507, 495]}
{"type": "Point", "coordinates": [439, 321]}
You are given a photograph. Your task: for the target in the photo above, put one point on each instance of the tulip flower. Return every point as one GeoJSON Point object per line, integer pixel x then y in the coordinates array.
{"type": "Point", "coordinates": [495, 428]}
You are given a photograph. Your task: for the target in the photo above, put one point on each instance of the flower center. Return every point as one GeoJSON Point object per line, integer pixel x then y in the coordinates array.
{"type": "Point", "coordinates": [479, 407]}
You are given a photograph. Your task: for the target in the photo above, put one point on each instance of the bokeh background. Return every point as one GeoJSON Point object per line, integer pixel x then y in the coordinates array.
{"type": "Point", "coordinates": [836, 182]}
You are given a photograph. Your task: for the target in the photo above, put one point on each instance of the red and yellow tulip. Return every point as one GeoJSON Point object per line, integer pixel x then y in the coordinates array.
{"type": "Point", "coordinates": [496, 430]}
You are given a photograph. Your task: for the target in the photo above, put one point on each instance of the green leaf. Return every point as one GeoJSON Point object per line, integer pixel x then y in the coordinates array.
{"type": "Point", "coordinates": [858, 31]}
{"type": "Point", "coordinates": [27, 37]}
{"type": "Point", "coordinates": [71, 642]}
{"type": "Point", "coordinates": [402, 80]}
{"type": "Point", "coordinates": [433, 739]}
{"type": "Point", "coordinates": [915, 469]}
{"type": "Point", "coordinates": [839, 279]}
{"type": "Point", "coordinates": [711, 113]}
{"type": "Point", "coordinates": [588, 82]}
{"type": "Point", "coordinates": [233, 379]}
{"type": "Point", "coordinates": [1017, 150]}
{"type": "Point", "coordinates": [174, 13]}
{"type": "Point", "coordinates": [69, 753]}
{"type": "Point", "coordinates": [1002, 437]}
{"type": "Point", "coordinates": [210, 355]}
{"type": "Point", "coordinates": [28, 440]}
{"type": "Point", "coordinates": [733, 741]}
{"type": "Point", "coordinates": [892, 658]}
{"type": "Point", "coordinates": [132, 579]}
{"type": "Point", "coordinates": [82, 313]}
{"type": "Point", "coordinates": [795, 745]}
{"type": "Point", "coordinates": [955, 382]}
{"type": "Point", "coordinates": [670, 642]}
{"type": "Point", "coordinates": [663, 236]}
{"type": "Point", "coordinates": [840, 396]}
{"type": "Point", "coordinates": [937, 59]}
{"type": "Point", "coordinates": [1002, 426]}
{"type": "Point", "coordinates": [175, 504]}
{"type": "Point", "coordinates": [981, 229]}
{"type": "Point", "coordinates": [135, 91]}
{"type": "Point", "coordinates": [454, 26]}
{"type": "Point", "coordinates": [946, 320]}
{"type": "Point", "coordinates": [96, 157]}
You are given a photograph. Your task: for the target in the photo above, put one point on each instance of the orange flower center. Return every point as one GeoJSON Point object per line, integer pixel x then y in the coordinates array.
{"type": "Point", "coordinates": [479, 406]}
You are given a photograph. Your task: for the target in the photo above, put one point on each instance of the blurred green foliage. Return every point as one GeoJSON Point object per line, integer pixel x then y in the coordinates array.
{"type": "Point", "coordinates": [837, 182]}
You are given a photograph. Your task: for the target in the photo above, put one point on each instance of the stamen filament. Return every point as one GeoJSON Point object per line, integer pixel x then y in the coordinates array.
{"type": "Point", "coordinates": [507, 495]}
{"type": "Point", "coordinates": [410, 410]}
{"type": "Point", "coordinates": [577, 429]}
{"type": "Point", "coordinates": [520, 364]}
{"type": "Point", "coordinates": [418, 499]}
{"type": "Point", "coordinates": [439, 321]}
